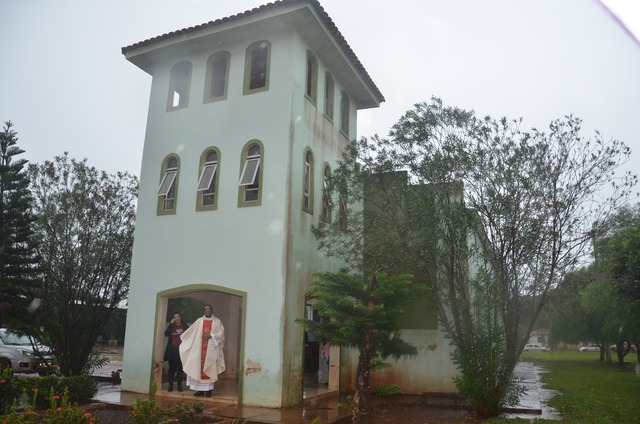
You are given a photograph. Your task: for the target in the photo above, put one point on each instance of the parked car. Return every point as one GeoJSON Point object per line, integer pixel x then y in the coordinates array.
{"type": "Point", "coordinates": [614, 348]}
{"type": "Point", "coordinates": [590, 348]}
{"type": "Point", "coordinates": [533, 347]}
{"type": "Point", "coordinates": [16, 352]}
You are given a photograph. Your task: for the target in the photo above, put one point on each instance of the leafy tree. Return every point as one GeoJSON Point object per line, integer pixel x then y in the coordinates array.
{"type": "Point", "coordinates": [18, 258]}
{"type": "Point", "coordinates": [602, 309]}
{"type": "Point", "coordinates": [85, 225]}
{"type": "Point", "coordinates": [362, 313]}
{"type": "Point", "coordinates": [570, 322]}
{"type": "Point", "coordinates": [596, 303]}
{"type": "Point", "coordinates": [626, 216]}
{"type": "Point", "coordinates": [620, 257]}
{"type": "Point", "coordinates": [508, 214]}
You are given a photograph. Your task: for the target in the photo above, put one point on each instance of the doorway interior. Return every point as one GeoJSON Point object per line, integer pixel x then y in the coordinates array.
{"type": "Point", "coordinates": [189, 302]}
{"type": "Point", "coordinates": [321, 362]}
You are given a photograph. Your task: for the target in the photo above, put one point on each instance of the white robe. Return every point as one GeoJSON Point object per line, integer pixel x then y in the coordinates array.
{"type": "Point", "coordinates": [191, 347]}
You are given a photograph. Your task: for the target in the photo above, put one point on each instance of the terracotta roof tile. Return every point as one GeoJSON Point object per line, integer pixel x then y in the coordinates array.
{"type": "Point", "coordinates": [340, 40]}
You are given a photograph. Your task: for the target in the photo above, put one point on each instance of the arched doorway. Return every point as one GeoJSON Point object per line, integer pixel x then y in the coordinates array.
{"type": "Point", "coordinates": [229, 306]}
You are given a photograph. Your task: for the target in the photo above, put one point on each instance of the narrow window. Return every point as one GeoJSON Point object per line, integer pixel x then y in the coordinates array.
{"type": "Point", "coordinates": [167, 192]}
{"type": "Point", "coordinates": [179, 86]}
{"type": "Point", "coordinates": [217, 76]}
{"type": "Point", "coordinates": [312, 77]}
{"type": "Point", "coordinates": [256, 75]}
{"type": "Point", "coordinates": [344, 114]}
{"type": "Point", "coordinates": [207, 183]}
{"type": "Point", "coordinates": [327, 205]}
{"type": "Point", "coordinates": [329, 91]}
{"type": "Point", "coordinates": [307, 191]}
{"type": "Point", "coordinates": [250, 189]}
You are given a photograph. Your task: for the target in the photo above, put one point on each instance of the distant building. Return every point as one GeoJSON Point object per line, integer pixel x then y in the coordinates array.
{"type": "Point", "coordinates": [539, 336]}
{"type": "Point", "coordinates": [247, 115]}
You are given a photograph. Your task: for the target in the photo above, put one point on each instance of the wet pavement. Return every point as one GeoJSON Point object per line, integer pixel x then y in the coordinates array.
{"type": "Point", "coordinates": [110, 395]}
{"type": "Point", "coordinates": [534, 401]}
{"type": "Point", "coordinates": [532, 405]}
{"type": "Point", "coordinates": [325, 409]}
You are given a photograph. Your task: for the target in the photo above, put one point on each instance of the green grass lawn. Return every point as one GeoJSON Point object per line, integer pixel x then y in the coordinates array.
{"type": "Point", "coordinates": [590, 391]}
{"type": "Point", "coordinates": [572, 355]}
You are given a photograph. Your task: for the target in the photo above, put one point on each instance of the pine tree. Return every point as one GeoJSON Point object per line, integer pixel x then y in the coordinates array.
{"type": "Point", "coordinates": [362, 313]}
{"type": "Point", "coordinates": [18, 258]}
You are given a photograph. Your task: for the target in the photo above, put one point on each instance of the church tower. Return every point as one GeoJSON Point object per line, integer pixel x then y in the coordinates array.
{"type": "Point", "coordinates": [247, 117]}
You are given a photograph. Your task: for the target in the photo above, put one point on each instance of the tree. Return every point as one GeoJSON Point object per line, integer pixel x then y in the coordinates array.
{"type": "Point", "coordinates": [362, 313]}
{"type": "Point", "coordinates": [603, 311]}
{"type": "Point", "coordinates": [619, 255]}
{"type": "Point", "coordinates": [527, 206]}
{"type": "Point", "coordinates": [18, 257]}
{"type": "Point", "coordinates": [570, 322]}
{"type": "Point", "coordinates": [85, 225]}
{"type": "Point", "coordinates": [596, 303]}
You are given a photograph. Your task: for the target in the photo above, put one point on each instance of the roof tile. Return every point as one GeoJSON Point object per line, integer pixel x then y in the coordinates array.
{"type": "Point", "coordinates": [340, 40]}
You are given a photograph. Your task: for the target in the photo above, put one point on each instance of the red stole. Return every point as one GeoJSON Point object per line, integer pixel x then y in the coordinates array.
{"type": "Point", "coordinates": [206, 330]}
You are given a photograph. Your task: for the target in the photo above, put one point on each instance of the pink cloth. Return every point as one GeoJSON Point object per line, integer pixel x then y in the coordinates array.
{"type": "Point", "coordinates": [326, 352]}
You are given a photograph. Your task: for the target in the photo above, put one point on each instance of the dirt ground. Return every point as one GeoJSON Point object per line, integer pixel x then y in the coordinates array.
{"type": "Point", "coordinates": [121, 416]}
{"type": "Point", "coordinates": [405, 414]}
{"type": "Point", "coordinates": [420, 414]}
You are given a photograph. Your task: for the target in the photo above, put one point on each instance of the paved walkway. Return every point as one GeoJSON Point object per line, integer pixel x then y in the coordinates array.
{"type": "Point", "coordinates": [532, 405]}
{"type": "Point", "coordinates": [534, 401]}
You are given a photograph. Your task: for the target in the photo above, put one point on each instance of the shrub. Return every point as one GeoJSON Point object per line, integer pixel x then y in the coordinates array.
{"type": "Point", "coordinates": [184, 414]}
{"type": "Point", "coordinates": [81, 389]}
{"type": "Point", "coordinates": [483, 380]}
{"type": "Point", "coordinates": [36, 390]}
{"type": "Point", "coordinates": [388, 390]}
{"type": "Point", "coordinates": [65, 412]}
{"type": "Point", "coordinates": [148, 411]}
{"type": "Point", "coordinates": [60, 411]}
{"type": "Point", "coordinates": [9, 390]}
{"type": "Point", "coordinates": [28, 416]}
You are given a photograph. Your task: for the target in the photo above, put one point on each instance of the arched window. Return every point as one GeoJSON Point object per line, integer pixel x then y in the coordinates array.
{"type": "Point", "coordinates": [311, 90]}
{"type": "Point", "coordinates": [217, 76]}
{"type": "Point", "coordinates": [179, 86]}
{"type": "Point", "coordinates": [307, 189]}
{"type": "Point", "coordinates": [256, 71]}
{"type": "Point", "coordinates": [206, 198]}
{"type": "Point", "coordinates": [250, 190]}
{"type": "Point", "coordinates": [344, 113]}
{"type": "Point", "coordinates": [329, 93]}
{"type": "Point", "coordinates": [327, 204]}
{"type": "Point", "coordinates": [168, 190]}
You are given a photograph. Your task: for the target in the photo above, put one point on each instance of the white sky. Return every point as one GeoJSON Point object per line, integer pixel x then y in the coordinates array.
{"type": "Point", "coordinates": [66, 86]}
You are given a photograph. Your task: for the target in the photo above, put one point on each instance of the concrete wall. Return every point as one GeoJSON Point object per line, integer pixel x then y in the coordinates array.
{"type": "Point", "coordinates": [310, 130]}
{"type": "Point", "coordinates": [431, 370]}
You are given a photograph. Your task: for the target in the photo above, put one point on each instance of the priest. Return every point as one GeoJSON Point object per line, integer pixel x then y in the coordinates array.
{"type": "Point", "coordinates": [201, 353]}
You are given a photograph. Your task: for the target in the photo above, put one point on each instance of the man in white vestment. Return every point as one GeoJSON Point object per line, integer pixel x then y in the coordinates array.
{"type": "Point", "coordinates": [201, 353]}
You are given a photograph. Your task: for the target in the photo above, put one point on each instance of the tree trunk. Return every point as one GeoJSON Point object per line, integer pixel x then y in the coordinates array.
{"type": "Point", "coordinates": [361, 396]}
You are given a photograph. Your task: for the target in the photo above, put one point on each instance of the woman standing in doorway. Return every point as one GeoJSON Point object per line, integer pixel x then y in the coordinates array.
{"type": "Point", "coordinates": [172, 353]}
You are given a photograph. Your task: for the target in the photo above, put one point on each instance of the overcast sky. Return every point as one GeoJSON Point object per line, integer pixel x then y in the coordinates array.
{"type": "Point", "coordinates": [66, 86]}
